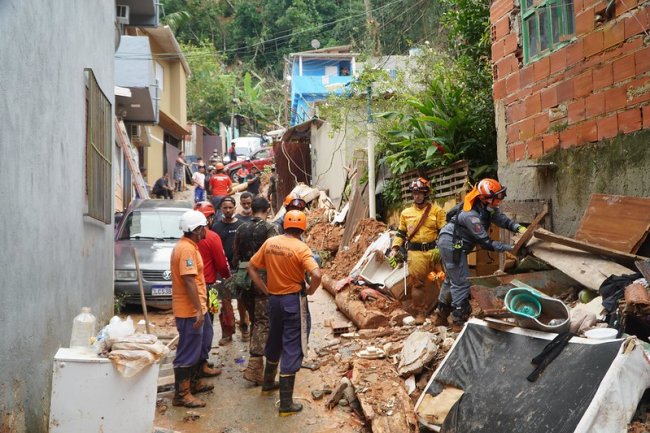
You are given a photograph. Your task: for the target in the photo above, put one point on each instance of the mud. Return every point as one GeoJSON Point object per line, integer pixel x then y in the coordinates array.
{"type": "Point", "coordinates": [321, 235]}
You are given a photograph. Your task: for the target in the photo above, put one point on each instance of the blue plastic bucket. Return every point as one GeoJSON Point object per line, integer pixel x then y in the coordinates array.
{"type": "Point", "coordinates": [525, 304]}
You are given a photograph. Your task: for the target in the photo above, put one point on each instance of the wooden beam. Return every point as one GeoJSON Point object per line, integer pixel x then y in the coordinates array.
{"type": "Point", "coordinates": [545, 235]}
{"type": "Point", "coordinates": [528, 234]}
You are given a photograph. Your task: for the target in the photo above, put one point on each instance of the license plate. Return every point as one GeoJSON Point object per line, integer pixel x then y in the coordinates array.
{"type": "Point", "coordinates": [161, 290]}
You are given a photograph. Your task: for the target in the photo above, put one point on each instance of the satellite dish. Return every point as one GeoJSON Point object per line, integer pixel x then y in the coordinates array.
{"type": "Point", "coordinates": [315, 43]}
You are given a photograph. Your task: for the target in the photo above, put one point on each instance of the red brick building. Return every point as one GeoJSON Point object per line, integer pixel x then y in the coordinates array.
{"type": "Point", "coordinates": [572, 76]}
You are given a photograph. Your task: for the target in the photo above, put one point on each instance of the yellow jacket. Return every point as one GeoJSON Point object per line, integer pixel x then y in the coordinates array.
{"type": "Point", "coordinates": [428, 232]}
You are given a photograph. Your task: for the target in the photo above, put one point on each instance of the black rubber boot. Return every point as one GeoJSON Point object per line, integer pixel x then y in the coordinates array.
{"type": "Point", "coordinates": [460, 315]}
{"type": "Point", "coordinates": [442, 314]}
{"type": "Point", "coordinates": [287, 405]}
{"type": "Point", "coordinates": [270, 370]}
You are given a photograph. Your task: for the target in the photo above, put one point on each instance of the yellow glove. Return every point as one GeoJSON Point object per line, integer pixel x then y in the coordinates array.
{"type": "Point", "coordinates": [435, 255]}
{"type": "Point", "coordinates": [521, 230]}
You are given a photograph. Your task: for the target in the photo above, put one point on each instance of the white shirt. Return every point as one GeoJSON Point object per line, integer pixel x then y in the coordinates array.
{"type": "Point", "coordinates": [199, 179]}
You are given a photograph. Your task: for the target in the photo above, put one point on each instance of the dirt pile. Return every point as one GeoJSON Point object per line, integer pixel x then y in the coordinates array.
{"type": "Point", "coordinates": [367, 231]}
{"type": "Point", "coordinates": [321, 235]}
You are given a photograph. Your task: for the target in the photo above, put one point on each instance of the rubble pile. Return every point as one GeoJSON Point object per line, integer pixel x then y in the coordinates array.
{"type": "Point", "coordinates": [321, 235]}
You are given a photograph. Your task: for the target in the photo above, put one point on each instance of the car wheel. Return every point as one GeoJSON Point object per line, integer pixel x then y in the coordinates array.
{"type": "Point", "coordinates": [234, 177]}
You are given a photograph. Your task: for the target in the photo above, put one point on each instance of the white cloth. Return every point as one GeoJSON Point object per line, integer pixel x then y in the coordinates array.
{"type": "Point", "coordinates": [199, 179]}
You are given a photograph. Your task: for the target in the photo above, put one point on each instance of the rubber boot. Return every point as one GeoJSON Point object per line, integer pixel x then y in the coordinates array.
{"type": "Point", "coordinates": [183, 396]}
{"type": "Point", "coordinates": [287, 405]}
{"type": "Point", "coordinates": [206, 370]}
{"type": "Point", "coordinates": [255, 370]}
{"type": "Point", "coordinates": [269, 384]}
{"type": "Point", "coordinates": [198, 385]}
{"type": "Point", "coordinates": [441, 315]}
{"type": "Point", "coordinates": [459, 316]}
{"type": "Point", "coordinates": [245, 333]}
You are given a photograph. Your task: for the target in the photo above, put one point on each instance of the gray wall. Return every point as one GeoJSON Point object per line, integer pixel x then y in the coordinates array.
{"type": "Point", "coordinates": [617, 166]}
{"type": "Point", "coordinates": [54, 260]}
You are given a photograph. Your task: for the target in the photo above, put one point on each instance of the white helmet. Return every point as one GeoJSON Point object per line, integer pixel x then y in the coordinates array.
{"type": "Point", "coordinates": [192, 219]}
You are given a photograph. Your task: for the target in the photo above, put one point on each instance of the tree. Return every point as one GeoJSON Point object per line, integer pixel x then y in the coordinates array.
{"type": "Point", "coordinates": [210, 89]}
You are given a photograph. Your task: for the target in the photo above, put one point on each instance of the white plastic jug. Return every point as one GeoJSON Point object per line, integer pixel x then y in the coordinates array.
{"type": "Point", "coordinates": [83, 329]}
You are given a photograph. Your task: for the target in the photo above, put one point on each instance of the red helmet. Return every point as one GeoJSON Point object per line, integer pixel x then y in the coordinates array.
{"type": "Point", "coordinates": [421, 185]}
{"type": "Point", "coordinates": [205, 207]}
{"type": "Point", "coordinates": [491, 189]}
{"type": "Point", "coordinates": [295, 219]}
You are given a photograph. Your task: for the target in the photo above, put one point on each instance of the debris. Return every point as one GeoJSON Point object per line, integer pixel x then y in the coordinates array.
{"type": "Point", "coordinates": [337, 395]}
{"type": "Point", "coordinates": [317, 394]}
{"type": "Point", "coordinates": [340, 328]}
{"type": "Point", "coordinates": [419, 349]}
{"type": "Point", "coordinates": [408, 321]}
{"type": "Point", "coordinates": [371, 352]}
{"type": "Point", "coordinates": [410, 384]}
{"type": "Point", "coordinates": [191, 416]}
{"type": "Point", "coordinates": [310, 365]}
{"type": "Point", "coordinates": [434, 409]}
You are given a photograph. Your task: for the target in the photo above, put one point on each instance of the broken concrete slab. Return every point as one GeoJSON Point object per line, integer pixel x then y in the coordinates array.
{"type": "Point", "coordinates": [419, 349]}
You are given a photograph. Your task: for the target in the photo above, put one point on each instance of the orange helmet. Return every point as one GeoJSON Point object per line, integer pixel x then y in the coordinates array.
{"type": "Point", "coordinates": [219, 166]}
{"type": "Point", "coordinates": [294, 200]}
{"type": "Point", "coordinates": [205, 207]}
{"type": "Point", "coordinates": [491, 189]}
{"type": "Point", "coordinates": [295, 219]}
{"type": "Point", "coordinates": [421, 185]}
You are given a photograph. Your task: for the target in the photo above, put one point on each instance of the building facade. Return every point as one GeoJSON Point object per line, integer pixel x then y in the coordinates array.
{"type": "Point", "coordinates": [571, 91]}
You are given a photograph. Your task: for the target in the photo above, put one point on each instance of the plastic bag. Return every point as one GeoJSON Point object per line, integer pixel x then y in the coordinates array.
{"type": "Point", "coordinates": [118, 328]}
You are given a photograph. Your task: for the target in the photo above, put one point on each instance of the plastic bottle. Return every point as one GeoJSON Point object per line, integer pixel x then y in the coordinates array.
{"type": "Point", "coordinates": [83, 329]}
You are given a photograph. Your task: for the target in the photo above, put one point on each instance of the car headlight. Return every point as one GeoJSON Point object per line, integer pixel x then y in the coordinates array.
{"type": "Point", "coordinates": [125, 275]}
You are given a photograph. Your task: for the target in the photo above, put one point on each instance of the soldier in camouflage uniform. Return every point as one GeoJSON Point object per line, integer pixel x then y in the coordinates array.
{"type": "Point", "coordinates": [249, 238]}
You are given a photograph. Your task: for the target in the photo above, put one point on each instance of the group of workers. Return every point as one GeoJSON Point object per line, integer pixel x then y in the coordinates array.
{"type": "Point", "coordinates": [270, 271]}
{"type": "Point", "coordinates": [276, 271]}
{"type": "Point", "coordinates": [433, 238]}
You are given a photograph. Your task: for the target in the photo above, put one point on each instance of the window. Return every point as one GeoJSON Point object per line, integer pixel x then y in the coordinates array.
{"type": "Point", "coordinates": [546, 26]}
{"type": "Point", "coordinates": [99, 124]}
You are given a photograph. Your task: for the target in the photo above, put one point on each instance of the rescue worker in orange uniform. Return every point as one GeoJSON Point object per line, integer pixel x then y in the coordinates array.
{"type": "Point", "coordinates": [418, 232]}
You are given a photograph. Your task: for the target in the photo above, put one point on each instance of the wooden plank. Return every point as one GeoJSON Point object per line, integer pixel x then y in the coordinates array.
{"type": "Point", "coordinates": [358, 211]}
{"type": "Point", "coordinates": [586, 268]}
{"type": "Point", "coordinates": [644, 267]}
{"type": "Point", "coordinates": [617, 222]}
{"type": "Point", "coordinates": [125, 144]}
{"type": "Point", "coordinates": [528, 234]}
{"type": "Point", "coordinates": [584, 246]}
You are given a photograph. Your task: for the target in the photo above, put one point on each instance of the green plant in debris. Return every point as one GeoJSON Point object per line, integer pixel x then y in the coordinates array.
{"type": "Point", "coordinates": [118, 304]}
{"type": "Point", "coordinates": [559, 126]}
{"type": "Point", "coordinates": [393, 193]}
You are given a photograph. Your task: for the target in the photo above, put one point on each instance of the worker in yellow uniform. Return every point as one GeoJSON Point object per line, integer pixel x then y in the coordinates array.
{"type": "Point", "coordinates": [418, 231]}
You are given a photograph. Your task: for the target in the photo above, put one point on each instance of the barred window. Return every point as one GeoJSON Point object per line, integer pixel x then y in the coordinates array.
{"type": "Point", "coordinates": [546, 26]}
{"type": "Point", "coordinates": [99, 124]}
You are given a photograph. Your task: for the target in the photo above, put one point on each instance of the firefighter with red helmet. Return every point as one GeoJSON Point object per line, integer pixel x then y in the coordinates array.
{"type": "Point", "coordinates": [417, 232]}
{"type": "Point", "coordinates": [467, 227]}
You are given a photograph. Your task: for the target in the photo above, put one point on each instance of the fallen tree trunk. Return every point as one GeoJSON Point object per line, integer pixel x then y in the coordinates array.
{"type": "Point", "coordinates": [384, 400]}
{"type": "Point", "coordinates": [363, 316]}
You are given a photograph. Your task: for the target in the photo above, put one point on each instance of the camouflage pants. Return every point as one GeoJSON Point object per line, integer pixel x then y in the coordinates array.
{"type": "Point", "coordinates": [257, 307]}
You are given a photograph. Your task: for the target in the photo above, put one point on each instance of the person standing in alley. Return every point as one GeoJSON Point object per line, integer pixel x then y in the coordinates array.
{"type": "Point", "coordinates": [179, 171]}
{"type": "Point", "coordinates": [418, 230]}
{"type": "Point", "coordinates": [226, 228]}
{"type": "Point", "coordinates": [248, 240]}
{"type": "Point", "coordinates": [220, 184]}
{"type": "Point", "coordinates": [286, 260]}
{"type": "Point", "coordinates": [272, 194]}
{"type": "Point", "coordinates": [215, 266]}
{"type": "Point", "coordinates": [467, 227]}
{"type": "Point", "coordinates": [246, 203]}
{"type": "Point", "coordinates": [189, 305]}
{"type": "Point", "coordinates": [232, 153]}
{"type": "Point", "coordinates": [198, 180]}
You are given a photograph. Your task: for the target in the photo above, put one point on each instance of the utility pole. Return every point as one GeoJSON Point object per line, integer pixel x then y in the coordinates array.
{"type": "Point", "coordinates": [373, 29]}
{"type": "Point", "coordinates": [372, 208]}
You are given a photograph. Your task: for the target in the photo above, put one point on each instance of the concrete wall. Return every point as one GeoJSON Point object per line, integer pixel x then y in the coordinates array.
{"type": "Point", "coordinates": [333, 151]}
{"type": "Point", "coordinates": [54, 259]}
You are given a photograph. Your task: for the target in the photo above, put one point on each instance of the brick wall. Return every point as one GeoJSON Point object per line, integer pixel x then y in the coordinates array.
{"type": "Point", "coordinates": [596, 87]}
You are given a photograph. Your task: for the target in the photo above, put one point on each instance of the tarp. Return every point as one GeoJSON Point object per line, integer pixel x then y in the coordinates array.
{"type": "Point", "coordinates": [592, 386]}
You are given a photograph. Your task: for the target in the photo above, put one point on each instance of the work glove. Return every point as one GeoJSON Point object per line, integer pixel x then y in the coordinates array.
{"type": "Point", "coordinates": [521, 230]}
{"type": "Point", "coordinates": [435, 255]}
{"type": "Point", "coordinates": [395, 259]}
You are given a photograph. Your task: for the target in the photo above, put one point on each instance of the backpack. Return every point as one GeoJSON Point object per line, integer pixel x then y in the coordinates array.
{"type": "Point", "coordinates": [454, 211]}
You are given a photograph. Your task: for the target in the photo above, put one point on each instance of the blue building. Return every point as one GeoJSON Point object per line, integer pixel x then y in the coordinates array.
{"type": "Point", "coordinates": [315, 75]}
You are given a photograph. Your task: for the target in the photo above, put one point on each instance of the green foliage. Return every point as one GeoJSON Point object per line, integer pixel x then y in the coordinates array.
{"type": "Point", "coordinates": [210, 88]}
{"type": "Point", "coordinates": [393, 193]}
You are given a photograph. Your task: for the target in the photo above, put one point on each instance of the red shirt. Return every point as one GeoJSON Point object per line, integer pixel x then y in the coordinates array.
{"type": "Point", "coordinates": [214, 259]}
{"type": "Point", "coordinates": [220, 183]}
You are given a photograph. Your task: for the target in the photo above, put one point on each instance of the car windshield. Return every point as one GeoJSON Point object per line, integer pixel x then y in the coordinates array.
{"type": "Point", "coordinates": [152, 224]}
{"type": "Point", "coordinates": [242, 150]}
